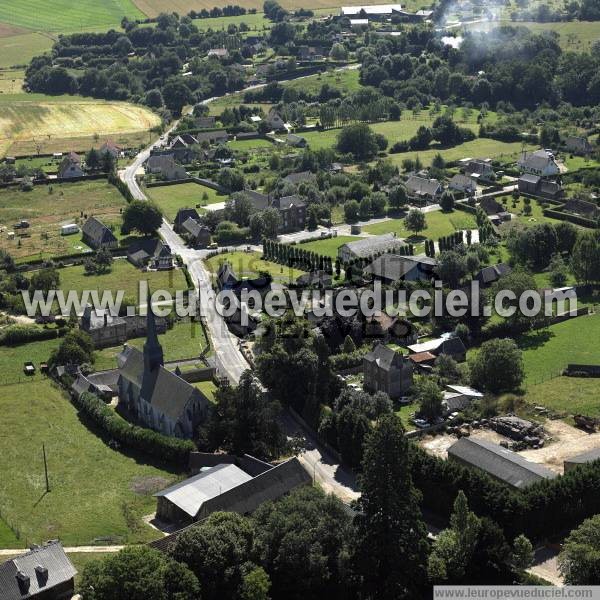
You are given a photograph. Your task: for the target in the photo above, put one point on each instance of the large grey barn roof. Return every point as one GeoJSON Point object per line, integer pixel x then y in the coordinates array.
{"type": "Point", "coordinates": [499, 462]}
{"type": "Point", "coordinates": [585, 457]}
{"type": "Point", "coordinates": [191, 494]}
{"type": "Point", "coordinates": [51, 556]}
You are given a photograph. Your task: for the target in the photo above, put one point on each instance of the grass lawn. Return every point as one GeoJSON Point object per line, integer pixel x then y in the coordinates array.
{"type": "Point", "coordinates": [404, 413]}
{"type": "Point", "coordinates": [123, 276]}
{"type": "Point", "coordinates": [575, 36]}
{"type": "Point", "coordinates": [184, 340]}
{"type": "Point", "coordinates": [97, 493]}
{"type": "Point", "coordinates": [245, 145]}
{"type": "Point", "coordinates": [7, 538]}
{"type": "Point", "coordinates": [249, 264]}
{"type": "Point", "coordinates": [345, 81]}
{"type": "Point", "coordinates": [21, 48]}
{"type": "Point", "coordinates": [65, 15]}
{"type": "Point", "coordinates": [12, 359]}
{"type": "Point", "coordinates": [537, 212]}
{"type": "Point", "coordinates": [47, 207]}
{"type": "Point", "coordinates": [439, 224]}
{"type": "Point", "coordinates": [329, 246]}
{"type": "Point", "coordinates": [394, 131]}
{"type": "Point", "coordinates": [567, 394]}
{"type": "Point", "coordinates": [26, 119]}
{"type": "Point", "coordinates": [184, 195]}
{"type": "Point", "coordinates": [11, 81]}
{"type": "Point", "coordinates": [256, 22]}
{"type": "Point", "coordinates": [481, 147]}
{"type": "Point", "coordinates": [547, 352]}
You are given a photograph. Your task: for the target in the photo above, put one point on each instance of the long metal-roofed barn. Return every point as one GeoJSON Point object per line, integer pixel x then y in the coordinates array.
{"type": "Point", "coordinates": [498, 462]}
{"type": "Point", "coordinates": [582, 459]}
{"type": "Point", "coordinates": [227, 487]}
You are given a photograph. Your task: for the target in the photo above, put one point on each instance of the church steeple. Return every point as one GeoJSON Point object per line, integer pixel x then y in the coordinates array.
{"type": "Point", "coordinates": [153, 352]}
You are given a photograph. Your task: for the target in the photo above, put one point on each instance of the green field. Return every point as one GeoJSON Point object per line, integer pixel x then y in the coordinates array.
{"type": "Point", "coordinates": [184, 340]}
{"type": "Point", "coordinates": [97, 494]}
{"type": "Point", "coordinates": [249, 264]}
{"type": "Point", "coordinates": [123, 276]}
{"type": "Point", "coordinates": [48, 207]}
{"type": "Point", "coordinates": [546, 352]}
{"type": "Point", "coordinates": [43, 122]}
{"type": "Point", "coordinates": [567, 394]}
{"type": "Point", "coordinates": [481, 148]}
{"type": "Point", "coordinates": [346, 81]}
{"type": "Point", "coordinates": [575, 36]}
{"type": "Point", "coordinates": [245, 145]}
{"type": "Point", "coordinates": [439, 224]}
{"type": "Point", "coordinates": [21, 48]}
{"type": "Point", "coordinates": [394, 131]}
{"type": "Point", "coordinates": [66, 15]}
{"type": "Point", "coordinates": [329, 246]}
{"type": "Point", "coordinates": [256, 22]}
{"type": "Point", "coordinates": [184, 195]}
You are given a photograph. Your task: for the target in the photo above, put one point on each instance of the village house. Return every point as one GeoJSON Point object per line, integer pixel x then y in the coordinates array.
{"type": "Point", "coordinates": [165, 167]}
{"type": "Point", "coordinates": [297, 141]}
{"type": "Point", "coordinates": [493, 208]}
{"type": "Point", "coordinates": [151, 253]}
{"type": "Point", "coordinates": [489, 275]}
{"type": "Point", "coordinates": [478, 169]}
{"type": "Point", "coordinates": [389, 327]}
{"type": "Point", "coordinates": [367, 247]}
{"type": "Point", "coordinates": [311, 53]}
{"type": "Point", "coordinates": [293, 213]}
{"type": "Point", "coordinates": [205, 122]}
{"type": "Point", "coordinates": [43, 573]}
{"type": "Point", "coordinates": [219, 53]}
{"type": "Point", "coordinates": [391, 268]}
{"type": "Point", "coordinates": [183, 214]}
{"type": "Point", "coordinates": [198, 235]}
{"type": "Point", "coordinates": [97, 235]}
{"type": "Point", "coordinates": [109, 147]}
{"type": "Point", "coordinates": [463, 184]}
{"type": "Point", "coordinates": [423, 190]}
{"type": "Point", "coordinates": [458, 398]}
{"type": "Point", "coordinates": [70, 167]}
{"type": "Point", "coordinates": [448, 344]}
{"type": "Point", "coordinates": [182, 148]}
{"type": "Point", "coordinates": [274, 120]}
{"type": "Point", "coordinates": [578, 145]}
{"type": "Point", "coordinates": [387, 371]}
{"type": "Point", "coordinates": [217, 136]}
{"type": "Point", "coordinates": [108, 330]}
{"type": "Point", "coordinates": [540, 162]}
{"type": "Point", "coordinates": [374, 11]}
{"type": "Point", "coordinates": [300, 177]}
{"type": "Point", "coordinates": [156, 397]}
{"type": "Point", "coordinates": [534, 185]}
{"type": "Point", "coordinates": [498, 462]}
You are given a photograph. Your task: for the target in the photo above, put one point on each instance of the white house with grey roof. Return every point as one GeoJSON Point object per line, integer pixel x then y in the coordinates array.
{"type": "Point", "coordinates": [97, 235]}
{"type": "Point", "coordinates": [368, 246]}
{"type": "Point", "coordinates": [45, 573]}
{"type": "Point", "coordinates": [540, 162]}
{"type": "Point", "coordinates": [498, 462]}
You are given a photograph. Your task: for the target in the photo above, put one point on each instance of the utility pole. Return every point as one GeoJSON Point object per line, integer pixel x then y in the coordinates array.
{"type": "Point", "coordinates": [45, 467]}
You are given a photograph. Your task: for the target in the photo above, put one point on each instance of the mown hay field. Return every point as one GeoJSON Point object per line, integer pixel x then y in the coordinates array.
{"type": "Point", "coordinates": [41, 121]}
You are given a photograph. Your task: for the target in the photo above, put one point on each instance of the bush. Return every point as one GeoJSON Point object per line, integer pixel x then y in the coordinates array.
{"type": "Point", "coordinates": [150, 442]}
{"type": "Point", "coordinates": [22, 334]}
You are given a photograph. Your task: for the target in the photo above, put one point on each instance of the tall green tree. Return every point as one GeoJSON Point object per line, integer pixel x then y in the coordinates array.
{"type": "Point", "coordinates": [144, 217]}
{"type": "Point", "coordinates": [390, 553]}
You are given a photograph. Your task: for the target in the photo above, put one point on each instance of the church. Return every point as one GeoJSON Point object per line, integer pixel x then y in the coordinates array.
{"type": "Point", "coordinates": [158, 398]}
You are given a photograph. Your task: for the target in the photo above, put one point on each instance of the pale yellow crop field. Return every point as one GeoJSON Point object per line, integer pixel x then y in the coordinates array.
{"type": "Point", "coordinates": [47, 121]}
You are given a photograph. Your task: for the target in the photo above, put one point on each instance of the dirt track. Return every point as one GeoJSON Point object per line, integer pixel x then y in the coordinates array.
{"type": "Point", "coordinates": [566, 441]}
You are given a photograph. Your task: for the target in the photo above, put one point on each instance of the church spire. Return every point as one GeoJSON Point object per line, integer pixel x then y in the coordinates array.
{"type": "Point", "coordinates": [153, 352]}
